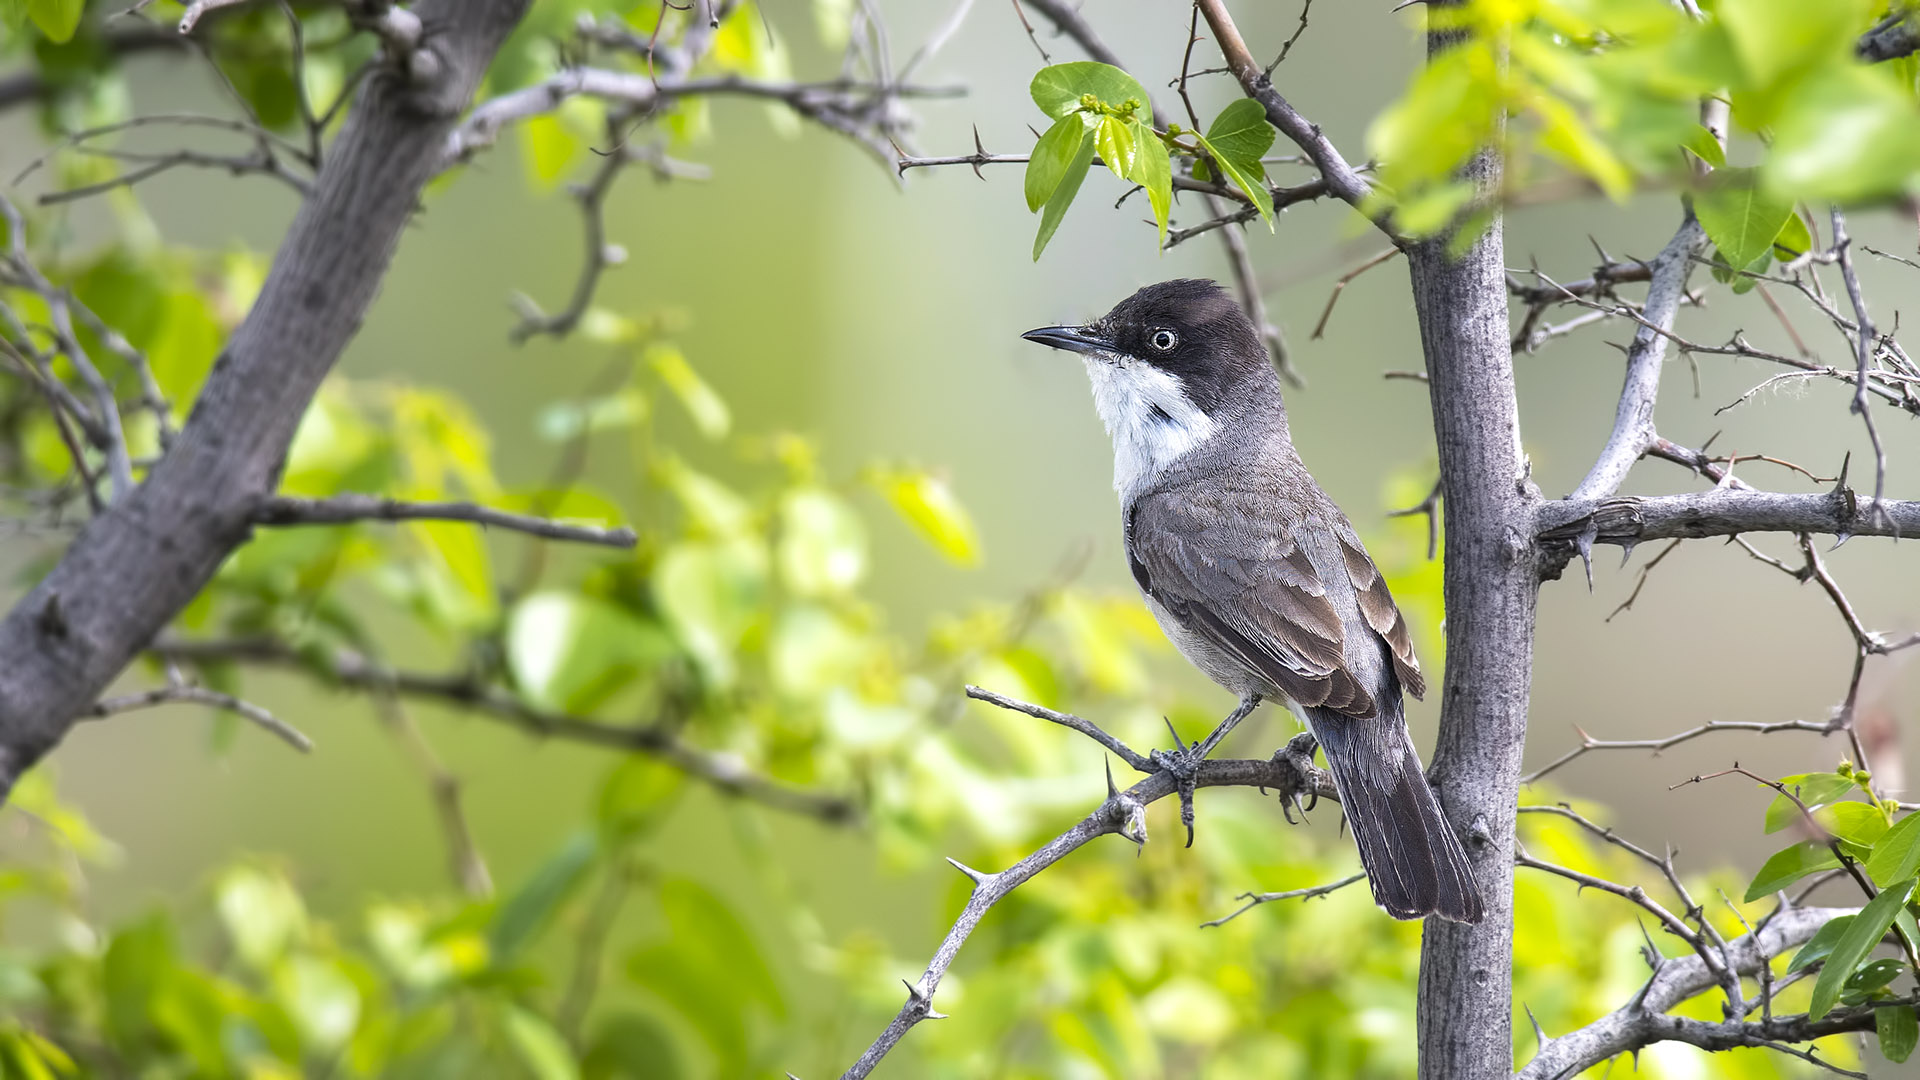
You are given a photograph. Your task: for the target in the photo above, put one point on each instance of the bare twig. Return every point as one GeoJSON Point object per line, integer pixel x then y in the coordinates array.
{"type": "Point", "coordinates": [352, 509]}
{"type": "Point", "coordinates": [184, 694]}
{"type": "Point", "coordinates": [1320, 328]}
{"type": "Point", "coordinates": [1254, 900]}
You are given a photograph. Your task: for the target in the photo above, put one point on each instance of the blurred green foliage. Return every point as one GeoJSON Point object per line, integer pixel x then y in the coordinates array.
{"type": "Point", "coordinates": [740, 625]}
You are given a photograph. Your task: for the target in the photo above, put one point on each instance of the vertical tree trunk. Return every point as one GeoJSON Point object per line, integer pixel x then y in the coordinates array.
{"type": "Point", "coordinates": [1466, 972]}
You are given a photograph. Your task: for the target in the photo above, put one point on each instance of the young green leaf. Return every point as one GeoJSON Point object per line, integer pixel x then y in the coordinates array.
{"type": "Point", "coordinates": [1896, 855]}
{"type": "Point", "coordinates": [1706, 147]}
{"type": "Point", "coordinates": [1795, 238]}
{"type": "Point", "coordinates": [57, 19]}
{"type": "Point", "coordinates": [930, 506]}
{"type": "Point", "coordinates": [1860, 937]}
{"type": "Point", "coordinates": [1821, 944]}
{"type": "Point", "coordinates": [1898, 1029]}
{"type": "Point", "coordinates": [1252, 186]}
{"type": "Point", "coordinates": [1855, 823]}
{"type": "Point", "coordinates": [1788, 866]}
{"type": "Point", "coordinates": [1812, 789]}
{"type": "Point", "coordinates": [1058, 90]}
{"type": "Point", "coordinates": [1740, 218]}
{"type": "Point", "coordinates": [1062, 196]}
{"type": "Point", "coordinates": [541, 1048]}
{"type": "Point", "coordinates": [527, 911]}
{"type": "Point", "coordinates": [1153, 170]}
{"type": "Point", "coordinates": [1242, 135]}
{"type": "Point", "coordinates": [1051, 156]}
{"type": "Point", "coordinates": [1113, 138]}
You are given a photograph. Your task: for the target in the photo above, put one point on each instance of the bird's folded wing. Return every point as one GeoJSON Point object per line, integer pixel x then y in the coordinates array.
{"type": "Point", "coordinates": [1378, 608]}
{"type": "Point", "coordinates": [1239, 580]}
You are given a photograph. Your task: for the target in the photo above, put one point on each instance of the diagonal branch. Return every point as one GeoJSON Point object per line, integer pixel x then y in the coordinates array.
{"type": "Point", "coordinates": [1633, 430]}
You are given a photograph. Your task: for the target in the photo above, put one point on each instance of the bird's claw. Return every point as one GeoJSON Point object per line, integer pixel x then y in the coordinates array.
{"type": "Point", "coordinates": [1297, 759]}
{"type": "Point", "coordinates": [1183, 764]}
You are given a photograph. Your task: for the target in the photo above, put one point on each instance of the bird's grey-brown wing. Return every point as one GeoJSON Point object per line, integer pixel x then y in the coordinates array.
{"type": "Point", "coordinates": [1378, 608]}
{"type": "Point", "coordinates": [1227, 567]}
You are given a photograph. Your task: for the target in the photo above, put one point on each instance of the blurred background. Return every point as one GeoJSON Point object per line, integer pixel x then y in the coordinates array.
{"type": "Point", "coordinates": [821, 294]}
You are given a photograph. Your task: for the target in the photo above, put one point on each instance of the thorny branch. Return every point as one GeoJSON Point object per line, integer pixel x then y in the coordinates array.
{"type": "Point", "coordinates": [352, 509]}
{"type": "Point", "coordinates": [1289, 772]}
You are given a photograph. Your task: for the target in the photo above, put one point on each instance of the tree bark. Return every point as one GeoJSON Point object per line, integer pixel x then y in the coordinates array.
{"type": "Point", "coordinates": [146, 556]}
{"type": "Point", "coordinates": [1491, 585]}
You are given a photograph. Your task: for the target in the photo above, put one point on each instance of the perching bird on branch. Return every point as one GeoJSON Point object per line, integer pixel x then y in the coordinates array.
{"type": "Point", "coordinates": [1258, 577]}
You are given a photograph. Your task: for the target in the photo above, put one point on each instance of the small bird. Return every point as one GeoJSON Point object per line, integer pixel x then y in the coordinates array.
{"type": "Point", "coordinates": [1258, 577]}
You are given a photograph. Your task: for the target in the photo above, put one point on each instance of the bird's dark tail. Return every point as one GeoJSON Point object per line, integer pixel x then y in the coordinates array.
{"type": "Point", "coordinates": [1413, 859]}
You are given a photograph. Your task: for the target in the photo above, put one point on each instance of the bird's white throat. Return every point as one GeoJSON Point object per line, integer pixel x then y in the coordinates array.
{"type": "Point", "coordinates": [1151, 419]}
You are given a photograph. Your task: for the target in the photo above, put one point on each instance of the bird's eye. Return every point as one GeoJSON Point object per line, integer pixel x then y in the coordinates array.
{"type": "Point", "coordinates": [1164, 340]}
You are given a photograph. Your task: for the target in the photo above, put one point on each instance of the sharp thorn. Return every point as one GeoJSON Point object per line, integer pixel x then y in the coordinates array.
{"type": "Point", "coordinates": [1111, 789]}
{"type": "Point", "coordinates": [977, 877]}
{"type": "Point", "coordinates": [1176, 735]}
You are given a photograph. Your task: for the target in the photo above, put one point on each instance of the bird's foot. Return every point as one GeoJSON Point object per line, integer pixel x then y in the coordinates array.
{"type": "Point", "coordinates": [1183, 762]}
{"type": "Point", "coordinates": [1300, 776]}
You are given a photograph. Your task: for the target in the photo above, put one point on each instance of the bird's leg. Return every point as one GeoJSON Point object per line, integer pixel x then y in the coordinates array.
{"type": "Point", "coordinates": [1297, 755]}
{"type": "Point", "coordinates": [1183, 762]}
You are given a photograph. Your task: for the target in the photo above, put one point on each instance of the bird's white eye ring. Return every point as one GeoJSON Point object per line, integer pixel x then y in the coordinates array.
{"type": "Point", "coordinates": [1164, 340]}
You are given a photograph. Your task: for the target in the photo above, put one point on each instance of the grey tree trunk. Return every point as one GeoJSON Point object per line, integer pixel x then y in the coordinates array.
{"type": "Point", "coordinates": [1491, 587]}
{"type": "Point", "coordinates": [142, 560]}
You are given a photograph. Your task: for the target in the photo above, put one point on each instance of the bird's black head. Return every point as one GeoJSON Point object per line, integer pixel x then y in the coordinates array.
{"type": "Point", "coordinates": [1189, 328]}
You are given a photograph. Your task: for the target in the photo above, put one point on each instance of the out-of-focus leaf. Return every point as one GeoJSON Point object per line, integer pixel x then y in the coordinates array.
{"type": "Point", "coordinates": [710, 594]}
{"type": "Point", "coordinates": [1788, 866]}
{"type": "Point", "coordinates": [1849, 134]}
{"type": "Point", "coordinates": [631, 1046]}
{"type": "Point", "coordinates": [1739, 217]}
{"type": "Point", "coordinates": [321, 998]}
{"type": "Point", "coordinates": [1056, 207]}
{"type": "Point", "coordinates": [532, 906]}
{"type": "Point", "coordinates": [569, 652]}
{"type": "Point", "coordinates": [708, 412]}
{"type": "Point", "coordinates": [1706, 147]}
{"type": "Point", "coordinates": [57, 19]}
{"type": "Point", "coordinates": [929, 505]}
{"type": "Point", "coordinates": [1058, 89]}
{"type": "Point", "coordinates": [1862, 934]}
{"type": "Point", "coordinates": [262, 912]}
{"type": "Point", "coordinates": [542, 1049]}
{"type": "Point", "coordinates": [550, 148]}
{"type": "Point", "coordinates": [812, 650]}
{"type": "Point", "coordinates": [635, 796]}
{"type": "Point", "coordinates": [139, 962]}
{"type": "Point", "coordinates": [708, 967]}
{"type": "Point", "coordinates": [823, 543]}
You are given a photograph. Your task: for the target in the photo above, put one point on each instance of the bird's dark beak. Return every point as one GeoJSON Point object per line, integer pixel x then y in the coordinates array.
{"type": "Point", "coordinates": [1078, 339]}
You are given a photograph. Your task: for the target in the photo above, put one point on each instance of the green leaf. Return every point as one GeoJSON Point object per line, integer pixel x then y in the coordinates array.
{"type": "Point", "coordinates": [570, 652]}
{"type": "Point", "coordinates": [1706, 147]}
{"type": "Point", "coordinates": [1875, 974]}
{"type": "Point", "coordinates": [1058, 89]}
{"type": "Point", "coordinates": [1862, 934]}
{"type": "Point", "coordinates": [321, 998]}
{"type": "Point", "coordinates": [636, 796]}
{"type": "Point", "coordinates": [1898, 1029]}
{"type": "Point", "coordinates": [1047, 166]}
{"type": "Point", "coordinates": [708, 411]}
{"type": "Point", "coordinates": [1740, 218]}
{"type": "Point", "coordinates": [631, 1044]}
{"type": "Point", "coordinates": [1114, 141]}
{"type": "Point", "coordinates": [262, 913]}
{"type": "Point", "coordinates": [1795, 238]}
{"type": "Point", "coordinates": [540, 1046]}
{"type": "Point", "coordinates": [528, 910]}
{"type": "Point", "coordinates": [1855, 823]}
{"type": "Point", "coordinates": [1813, 789]}
{"type": "Point", "coordinates": [57, 19]}
{"type": "Point", "coordinates": [1249, 185]}
{"type": "Point", "coordinates": [1242, 135]}
{"type": "Point", "coordinates": [1821, 944]}
{"type": "Point", "coordinates": [710, 594]}
{"type": "Point", "coordinates": [823, 543]}
{"type": "Point", "coordinates": [1153, 170]}
{"type": "Point", "coordinates": [1850, 133]}
{"type": "Point", "coordinates": [1896, 855]}
{"type": "Point", "coordinates": [1788, 866]}
{"type": "Point", "coordinates": [1063, 193]}
{"type": "Point", "coordinates": [929, 505]}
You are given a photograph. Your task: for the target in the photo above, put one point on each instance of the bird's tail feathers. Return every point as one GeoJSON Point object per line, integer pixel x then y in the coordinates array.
{"type": "Point", "coordinates": [1413, 859]}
